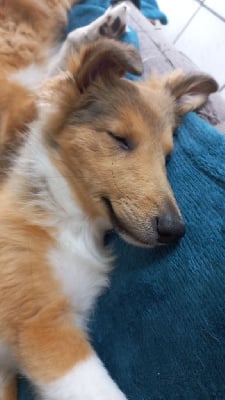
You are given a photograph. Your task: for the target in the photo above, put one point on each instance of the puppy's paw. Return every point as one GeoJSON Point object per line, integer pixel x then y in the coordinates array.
{"type": "Point", "coordinates": [114, 21]}
{"type": "Point", "coordinates": [88, 380]}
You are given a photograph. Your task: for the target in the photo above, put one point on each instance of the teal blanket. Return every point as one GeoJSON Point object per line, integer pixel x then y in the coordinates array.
{"type": "Point", "coordinates": [160, 329]}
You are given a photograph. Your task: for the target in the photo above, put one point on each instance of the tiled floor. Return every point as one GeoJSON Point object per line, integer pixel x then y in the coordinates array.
{"type": "Point", "coordinates": [197, 28]}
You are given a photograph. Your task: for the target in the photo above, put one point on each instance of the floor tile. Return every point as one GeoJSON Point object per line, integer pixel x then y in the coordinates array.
{"type": "Point", "coordinates": [217, 5]}
{"type": "Point", "coordinates": [178, 13]}
{"type": "Point", "coordinates": [203, 42]}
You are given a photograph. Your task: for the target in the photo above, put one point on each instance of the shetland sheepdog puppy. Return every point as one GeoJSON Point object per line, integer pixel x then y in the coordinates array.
{"type": "Point", "coordinates": [82, 151]}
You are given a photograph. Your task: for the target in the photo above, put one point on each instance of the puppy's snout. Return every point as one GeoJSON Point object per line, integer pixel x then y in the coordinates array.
{"type": "Point", "coordinates": [170, 226]}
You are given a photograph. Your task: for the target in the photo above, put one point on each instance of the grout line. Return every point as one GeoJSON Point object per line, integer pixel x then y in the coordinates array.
{"type": "Point", "coordinates": [186, 25]}
{"type": "Point", "coordinates": [210, 10]}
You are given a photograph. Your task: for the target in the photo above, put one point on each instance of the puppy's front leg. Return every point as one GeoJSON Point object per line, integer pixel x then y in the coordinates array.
{"type": "Point", "coordinates": [86, 380]}
{"type": "Point", "coordinates": [111, 24]}
{"type": "Point", "coordinates": [60, 362]}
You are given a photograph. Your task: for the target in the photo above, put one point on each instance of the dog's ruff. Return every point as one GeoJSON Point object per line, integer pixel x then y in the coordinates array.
{"type": "Point", "coordinates": [75, 124]}
{"type": "Point", "coordinates": [79, 259]}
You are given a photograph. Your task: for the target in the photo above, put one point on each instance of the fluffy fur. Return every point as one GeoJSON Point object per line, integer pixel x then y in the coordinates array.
{"type": "Point", "coordinates": [90, 156]}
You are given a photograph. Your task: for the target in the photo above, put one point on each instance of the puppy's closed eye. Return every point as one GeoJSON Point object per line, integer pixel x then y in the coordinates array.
{"type": "Point", "coordinates": [124, 143]}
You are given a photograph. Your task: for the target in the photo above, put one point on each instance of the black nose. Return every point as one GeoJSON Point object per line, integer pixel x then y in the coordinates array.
{"type": "Point", "coordinates": [170, 227]}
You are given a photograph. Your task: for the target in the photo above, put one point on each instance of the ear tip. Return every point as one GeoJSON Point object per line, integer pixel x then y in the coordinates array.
{"type": "Point", "coordinates": [207, 82]}
{"type": "Point", "coordinates": [137, 66]}
{"type": "Point", "coordinates": [213, 85]}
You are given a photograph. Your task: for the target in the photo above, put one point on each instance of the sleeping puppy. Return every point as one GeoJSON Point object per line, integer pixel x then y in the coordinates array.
{"type": "Point", "coordinates": [91, 158]}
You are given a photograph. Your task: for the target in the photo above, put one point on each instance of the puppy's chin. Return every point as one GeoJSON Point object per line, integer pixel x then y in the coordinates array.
{"type": "Point", "coordinates": [131, 240]}
{"type": "Point", "coordinates": [123, 231]}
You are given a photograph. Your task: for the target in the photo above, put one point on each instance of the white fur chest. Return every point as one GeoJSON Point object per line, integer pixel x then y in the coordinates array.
{"type": "Point", "coordinates": [79, 260]}
{"type": "Point", "coordinates": [81, 264]}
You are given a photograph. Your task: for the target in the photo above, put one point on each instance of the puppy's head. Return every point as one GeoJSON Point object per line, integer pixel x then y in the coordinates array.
{"type": "Point", "coordinates": [110, 138]}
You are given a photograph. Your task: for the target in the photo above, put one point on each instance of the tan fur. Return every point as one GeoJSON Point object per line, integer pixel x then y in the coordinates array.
{"type": "Point", "coordinates": [39, 327]}
{"type": "Point", "coordinates": [27, 29]}
{"type": "Point", "coordinates": [17, 105]}
{"type": "Point", "coordinates": [78, 109]}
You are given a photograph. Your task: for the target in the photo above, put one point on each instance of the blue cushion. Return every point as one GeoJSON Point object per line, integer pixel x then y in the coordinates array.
{"type": "Point", "coordinates": [151, 10]}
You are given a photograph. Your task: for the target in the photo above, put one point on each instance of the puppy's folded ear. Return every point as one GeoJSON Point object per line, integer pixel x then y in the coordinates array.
{"type": "Point", "coordinates": [103, 58]}
{"type": "Point", "coordinates": [190, 91]}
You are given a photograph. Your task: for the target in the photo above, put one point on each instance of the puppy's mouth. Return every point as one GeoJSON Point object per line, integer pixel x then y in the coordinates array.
{"type": "Point", "coordinates": [120, 227]}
